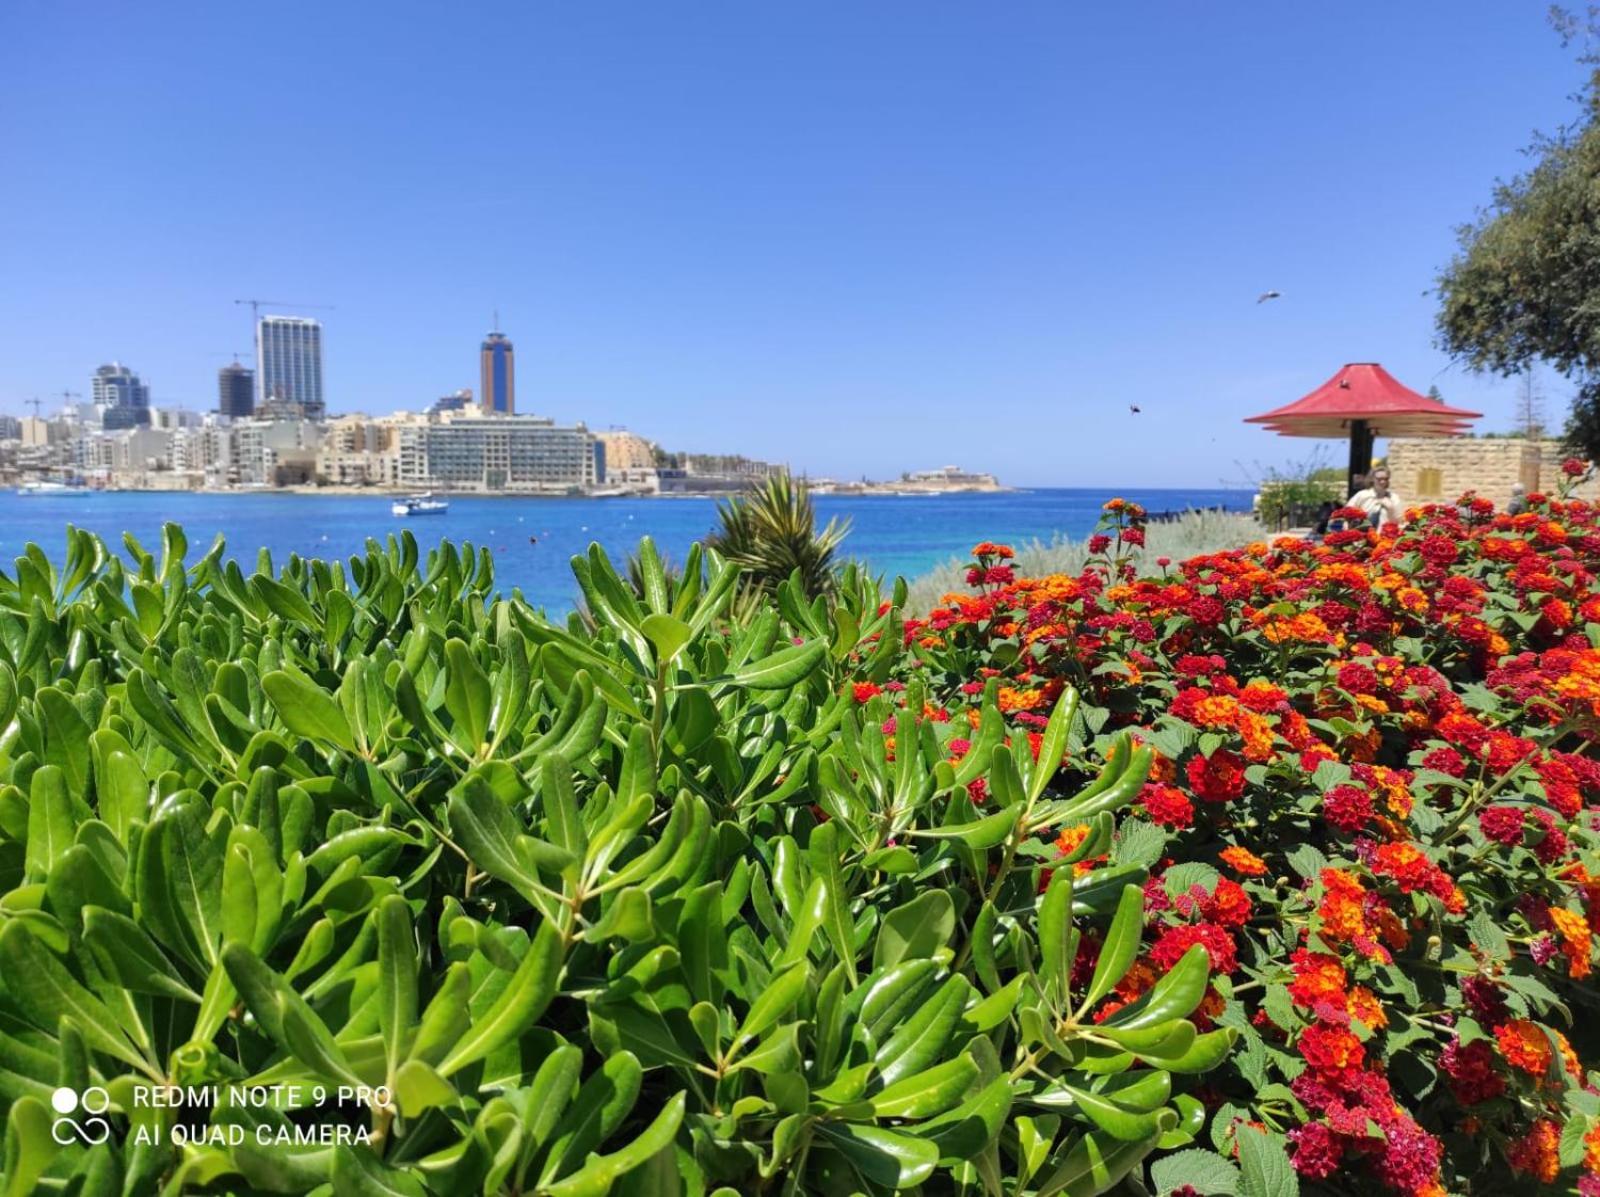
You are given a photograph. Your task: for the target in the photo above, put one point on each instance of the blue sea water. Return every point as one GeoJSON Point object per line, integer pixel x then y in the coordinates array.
{"type": "Point", "coordinates": [891, 534]}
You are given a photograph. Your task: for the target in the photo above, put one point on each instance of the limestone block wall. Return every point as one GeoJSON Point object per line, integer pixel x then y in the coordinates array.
{"type": "Point", "coordinates": [1427, 469]}
{"type": "Point", "coordinates": [1441, 468]}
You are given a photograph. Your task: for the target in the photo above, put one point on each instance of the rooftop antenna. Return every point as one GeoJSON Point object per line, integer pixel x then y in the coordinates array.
{"type": "Point", "coordinates": [497, 320]}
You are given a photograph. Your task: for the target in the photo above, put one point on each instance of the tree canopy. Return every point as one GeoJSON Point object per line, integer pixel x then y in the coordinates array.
{"type": "Point", "coordinates": [1525, 286]}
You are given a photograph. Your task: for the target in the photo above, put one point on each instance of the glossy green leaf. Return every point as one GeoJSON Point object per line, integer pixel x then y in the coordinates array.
{"type": "Point", "coordinates": [597, 1176]}
{"type": "Point", "coordinates": [775, 1000]}
{"type": "Point", "coordinates": [1053, 743]}
{"type": "Point", "coordinates": [926, 1093]}
{"type": "Point", "coordinates": [467, 694]}
{"type": "Point", "coordinates": [45, 992]}
{"type": "Point", "coordinates": [307, 710]}
{"type": "Point", "coordinates": [397, 981]}
{"type": "Point", "coordinates": [418, 1088]}
{"type": "Point", "coordinates": [888, 1158]}
{"type": "Point", "coordinates": [359, 1173]}
{"type": "Point", "coordinates": [667, 634]}
{"type": "Point", "coordinates": [1057, 937]}
{"type": "Point", "coordinates": [530, 990]}
{"type": "Point", "coordinates": [603, 1101]}
{"type": "Point", "coordinates": [1095, 1164]}
{"type": "Point", "coordinates": [1174, 995]}
{"type": "Point", "coordinates": [1120, 947]}
{"type": "Point", "coordinates": [783, 668]}
{"type": "Point", "coordinates": [915, 930]}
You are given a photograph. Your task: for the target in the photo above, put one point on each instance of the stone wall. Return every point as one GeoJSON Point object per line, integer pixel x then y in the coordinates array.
{"type": "Point", "coordinates": [1441, 468]}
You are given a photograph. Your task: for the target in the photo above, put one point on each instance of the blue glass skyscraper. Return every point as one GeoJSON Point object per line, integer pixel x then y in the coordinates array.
{"type": "Point", "coordinates": [498, 368]}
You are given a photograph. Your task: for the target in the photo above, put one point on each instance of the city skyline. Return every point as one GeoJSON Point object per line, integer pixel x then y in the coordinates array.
{"type": "Point", "coordinates": [982, 235]}
{"type": "Point", "coordinates": [288, 360]}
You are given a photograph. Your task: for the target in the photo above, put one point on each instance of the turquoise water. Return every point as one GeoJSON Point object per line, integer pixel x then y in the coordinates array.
{"type": "Point", "coordinates": [891, 534]}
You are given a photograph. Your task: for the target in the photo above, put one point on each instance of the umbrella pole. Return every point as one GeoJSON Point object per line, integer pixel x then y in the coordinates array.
{"type": "Point", "coordinates": [1361, 439]}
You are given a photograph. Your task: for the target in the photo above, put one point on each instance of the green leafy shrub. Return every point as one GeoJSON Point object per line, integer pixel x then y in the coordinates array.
{"type": "Point", "coordinates": [358, 878]}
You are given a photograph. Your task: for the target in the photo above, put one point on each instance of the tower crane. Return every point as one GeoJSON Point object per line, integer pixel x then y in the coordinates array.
{"type": "Point", "coordinates": [257, 304]}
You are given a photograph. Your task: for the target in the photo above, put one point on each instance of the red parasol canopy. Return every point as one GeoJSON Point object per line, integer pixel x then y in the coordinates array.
{"type": "Point", "coordinates": [1364, 401]}
{"type": "Point", "coordinates": [1366, 391]}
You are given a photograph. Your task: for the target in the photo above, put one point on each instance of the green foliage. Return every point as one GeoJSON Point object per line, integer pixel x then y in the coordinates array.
{"type": "Point", "coordinates": [644, 904]}
{"type": "Point", "coordinates": [1294, 493]}
{"type": "Point", "coordinates": [770, 533]}
{"type": "Point", "coordinates": [1520, 291]}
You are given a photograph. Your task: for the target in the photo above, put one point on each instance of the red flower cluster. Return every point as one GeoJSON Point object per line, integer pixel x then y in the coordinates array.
{"type": "Point", "coordinates": [1387, 741]}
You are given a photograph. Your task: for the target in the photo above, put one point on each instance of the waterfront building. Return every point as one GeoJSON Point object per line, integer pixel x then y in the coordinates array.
{"type": "Point", "coordinates": [236, 391]}
{"type": "Point", "coordinates": [497, 367]}
{"type": "Point", "coordinates": [289, 366]}
{"type": "Point", "coordinates": [357, 450]}
{"type": "Point", "coordinates": [949, 478]}
{"type": "Point", "coordinates": [274, 452]}
{"type": "Point", "coordinates": [494, 453]}
{"type": "Point", "coordinates": [630, 460]}
{"type": "Point", "coordinates": [121, 396]}
{"type": "Point", "coordinates": [204, 454]}
{"type": "Point", "coordinates": [711, 473]}
{"type": "Point", "coordinates": [406, 462]}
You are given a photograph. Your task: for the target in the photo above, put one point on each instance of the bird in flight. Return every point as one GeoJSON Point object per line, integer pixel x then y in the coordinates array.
{"type": "Point", "coordinates": [1134, 408]}
{"type": "Point", "coordinates": [1266, 295]}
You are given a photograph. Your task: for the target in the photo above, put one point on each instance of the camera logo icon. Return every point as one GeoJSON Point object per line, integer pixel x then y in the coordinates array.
{"type": "Point", "coordinates": [79, 1118]}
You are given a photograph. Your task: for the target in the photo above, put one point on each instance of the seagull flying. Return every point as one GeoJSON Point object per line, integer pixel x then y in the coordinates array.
{"type": "Point", "coordinates": [1266, 295]}
{"type": "Point", "coordinates": [1134, 408]}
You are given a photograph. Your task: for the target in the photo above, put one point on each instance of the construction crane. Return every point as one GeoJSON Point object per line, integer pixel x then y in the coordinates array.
{"type": "Point", "coordinates": [257, 304]}
{"type": "Point", "coordinates": [67, 397]}
{"type": "Point", "coordinates": [35, 402]}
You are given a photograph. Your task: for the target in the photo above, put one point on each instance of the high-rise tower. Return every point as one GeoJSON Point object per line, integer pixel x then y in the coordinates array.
{"type": "Point", "coordinates": [289, 364]}
{"type": "Point", "coordinates": [497, 365]}
{"type": "Point", "coordinates": [236, 391]}
{"type": "Point", "coordinates": [123, 396]}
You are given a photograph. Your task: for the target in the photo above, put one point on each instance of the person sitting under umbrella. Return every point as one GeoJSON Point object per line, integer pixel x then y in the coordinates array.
{"type": "Point", "coordinates": [1380, 503]}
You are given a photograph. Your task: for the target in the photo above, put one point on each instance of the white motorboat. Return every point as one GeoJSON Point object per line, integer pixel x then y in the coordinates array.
{"type": "Point", "coordinates": [52, 490]}
{"type": "Point", "coordinates": [420, 505]}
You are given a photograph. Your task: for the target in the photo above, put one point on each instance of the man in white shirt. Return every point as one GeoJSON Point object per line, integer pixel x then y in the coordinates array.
{"type": "Point", "coordinates": [1380, 503]}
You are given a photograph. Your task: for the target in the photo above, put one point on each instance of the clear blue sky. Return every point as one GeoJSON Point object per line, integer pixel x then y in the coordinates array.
{"type": "Point", "coordinates": [860, 237]}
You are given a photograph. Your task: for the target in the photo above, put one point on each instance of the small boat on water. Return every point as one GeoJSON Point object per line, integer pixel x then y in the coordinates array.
{"type": "Point", "coordinates": [53, 490]}
{"type": "Point", "coordinates": [420, 505]}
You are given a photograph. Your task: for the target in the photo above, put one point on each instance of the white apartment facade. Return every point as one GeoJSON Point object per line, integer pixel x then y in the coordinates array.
{"type": "Point", "coordinates": [289, 365]}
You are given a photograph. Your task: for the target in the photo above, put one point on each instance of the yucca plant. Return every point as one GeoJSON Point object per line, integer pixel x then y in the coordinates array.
{"type": "Point", "coordinates": [770, 531]}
